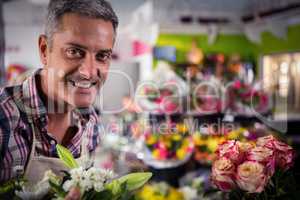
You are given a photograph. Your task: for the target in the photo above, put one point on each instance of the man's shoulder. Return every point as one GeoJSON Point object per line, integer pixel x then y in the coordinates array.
{"type": "Point", "coordinates": [10, 93]}
{"type": "Point", "coordinates": [9, 110]}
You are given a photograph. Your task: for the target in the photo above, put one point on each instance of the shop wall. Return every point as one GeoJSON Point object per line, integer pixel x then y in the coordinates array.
{"type": "Point", "coordinates": [226, 44]}
{"type": "Point", "coordinates": [238, 43]}
{"type": "Point", "coordinates": [271, 44]}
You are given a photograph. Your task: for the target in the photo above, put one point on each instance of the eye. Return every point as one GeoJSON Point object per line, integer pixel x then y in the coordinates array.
{"type": "Point", "coordinates": [103, 56]}
{"type": "Point", "coordinates": [74, 53]}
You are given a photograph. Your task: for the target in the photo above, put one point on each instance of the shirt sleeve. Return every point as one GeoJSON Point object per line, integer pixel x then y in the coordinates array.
{"type": "Point", "coordinates": [4, 131]}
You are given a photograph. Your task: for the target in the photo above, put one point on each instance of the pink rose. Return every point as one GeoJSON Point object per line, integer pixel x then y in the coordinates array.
{"type": "Point", "coordinates": [284, 154]}
{"type": "Point", "coordinates": [223, 171]}
{"type": "Point", "coordinates": [264, 156]}
{"type": "Point", "coordinates": [230, 150]}
{"type": "Point", "coordinates": [260, 154]}
{"type": "Point", "coordinates": [237, 85]}
{"type": "Point", "coordinates": [169, 106]}
{"type": "Point", "coordinates": [244, 147]}
{"type": "Point", "coordinates": [266, 141]}
{"type": "Point", "coordinates": [251, 177]}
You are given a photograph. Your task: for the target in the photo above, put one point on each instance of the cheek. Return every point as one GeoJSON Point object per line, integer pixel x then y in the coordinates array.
{"type": "Point", "coordinates": [104, 71]}
{"type": "Point", "coordinates": [61, 65]}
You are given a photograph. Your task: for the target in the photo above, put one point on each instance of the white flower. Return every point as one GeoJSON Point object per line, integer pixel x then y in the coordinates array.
{"type": "Point", "coordinates": [109, 174]}
{"type": "Point", "coordinates": [98, 186]}
{"type": "Point", "coordinates": [189, 193]}
{"type": "Point", "coordinates": [92, 178]}
{"type": "Point", "coordinates": [86, 184]}
{"type": "Point", "coordinates": [68, 185]}
{"type": "Point", "coordinates": [198, 181]}
{"type": "Point", "coordinates": [77, 174]}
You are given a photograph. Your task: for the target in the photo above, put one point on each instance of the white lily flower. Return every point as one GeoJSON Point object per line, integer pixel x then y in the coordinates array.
{"type": "Point", "coordinates": [77, 174]}
{"type": "Point", "coordinates": [68, 185]}
{"type": "Point", "coordinates": [189, 193]}
{"type": "Point", "coordinates": [98, 186]}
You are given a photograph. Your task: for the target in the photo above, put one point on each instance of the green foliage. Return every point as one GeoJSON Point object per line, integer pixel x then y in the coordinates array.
{"type": "Point", "coordinates": [7, 189]}
{"type": "Point", "coordinates": [134, 180]}
{"type": "Point", "coordinates": [66, 156]}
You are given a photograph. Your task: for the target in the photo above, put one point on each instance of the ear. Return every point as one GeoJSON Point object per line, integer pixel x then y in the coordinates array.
{"type": "Point", "coordinates": [43, 49]}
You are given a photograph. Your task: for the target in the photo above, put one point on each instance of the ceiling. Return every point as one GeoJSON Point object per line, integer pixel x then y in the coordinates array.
{"type": "Point", "coordinates": [171, 15]}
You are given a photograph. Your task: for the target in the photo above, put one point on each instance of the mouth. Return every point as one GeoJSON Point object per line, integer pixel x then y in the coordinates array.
{"type": "Point", "coordinates": [83, 84]}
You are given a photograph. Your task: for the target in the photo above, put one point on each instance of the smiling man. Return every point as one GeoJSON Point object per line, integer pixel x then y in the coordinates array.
{"type": "Point", "coordinates": [54, 105]}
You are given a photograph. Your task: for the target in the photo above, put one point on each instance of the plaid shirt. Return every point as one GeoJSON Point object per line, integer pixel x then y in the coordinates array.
{"type": "Point", "coordinates": [16, 133]}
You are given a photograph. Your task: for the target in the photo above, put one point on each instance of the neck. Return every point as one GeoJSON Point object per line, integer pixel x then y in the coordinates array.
{"type": "Point", "coordinates": [58, 124]}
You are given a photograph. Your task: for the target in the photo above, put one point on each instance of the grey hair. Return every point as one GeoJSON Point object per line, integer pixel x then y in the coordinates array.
{"type": "Point", "coordinates": [100, 9]}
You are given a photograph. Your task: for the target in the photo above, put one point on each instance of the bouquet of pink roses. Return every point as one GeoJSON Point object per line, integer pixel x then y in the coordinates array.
{"type": "Point", "coordinates": [246, 98]}
{"type": "Point", "coordinates": [163, 99]}
{"type": "Point", "coordinates": [257, 170]}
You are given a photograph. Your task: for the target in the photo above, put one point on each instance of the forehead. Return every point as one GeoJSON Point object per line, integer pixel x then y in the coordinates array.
{"type": "Point", "coordinates": [90, 32]}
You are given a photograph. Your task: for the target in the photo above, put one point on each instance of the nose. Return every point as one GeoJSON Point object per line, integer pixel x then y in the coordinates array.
{"type": "Point", "coordinates": [88, 68]}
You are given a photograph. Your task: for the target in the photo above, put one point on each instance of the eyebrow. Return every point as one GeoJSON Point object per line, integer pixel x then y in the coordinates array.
{"type": "Point", "coordinates": [86, 48]}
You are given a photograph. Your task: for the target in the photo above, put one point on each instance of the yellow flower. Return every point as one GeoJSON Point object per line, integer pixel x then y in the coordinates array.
{"type": "Point", "coordinates": [174, 195]}
{"type": "Point", "coordinates": [155, 153]}
{"type": "Point", "coordinates": [212, 144]}
{"type": "Point", "coordinates": [182, 128]}
{"type": "Point", "coordinates": [151, 140]}
{"type": "Point", "coordinates": [150, 192]}
{"type": "Point", "coordinates": [177, 137]}
{"type": "Point", "coordinates": [198, 140]}
{"type": "Point", "coordinates": [168, 144]}
{"type": "Point", "coordinates": [236, 134]}
{"type": "Point", "coordinates": [186, 142]}
{"type": "Point", "coordinates": [233, 135]}
{"type": "Point", "coordinates": [181, 153]}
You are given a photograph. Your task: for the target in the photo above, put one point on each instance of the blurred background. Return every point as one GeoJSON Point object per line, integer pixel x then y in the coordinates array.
{"type": "Point", "coordinates": [208, 70]}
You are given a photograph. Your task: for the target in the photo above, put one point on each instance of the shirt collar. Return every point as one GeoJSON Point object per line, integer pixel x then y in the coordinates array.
{"type": "Point", "coordinates": [32, 102]}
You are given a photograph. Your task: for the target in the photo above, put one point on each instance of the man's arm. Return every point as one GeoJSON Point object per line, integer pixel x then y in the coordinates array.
{"type": "Point", "coordinates": [4, 133]}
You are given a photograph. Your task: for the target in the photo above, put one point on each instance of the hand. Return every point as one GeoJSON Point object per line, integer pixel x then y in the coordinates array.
{"type": "Point", "coordinates": [74, 194]}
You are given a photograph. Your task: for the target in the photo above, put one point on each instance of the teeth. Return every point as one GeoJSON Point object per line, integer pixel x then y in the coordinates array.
{"type": "Point", "coordinates": [83, 84]}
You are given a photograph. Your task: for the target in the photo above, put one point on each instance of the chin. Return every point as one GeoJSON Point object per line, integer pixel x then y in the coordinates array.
{"type": "Point", "coordinates": [82, 104]}
{"type": "Point", "coordinates": [83, 101]}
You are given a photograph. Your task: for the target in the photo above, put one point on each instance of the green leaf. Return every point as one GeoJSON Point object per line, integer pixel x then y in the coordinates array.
{"type": "Point", "coordinates": [133, 181]}
{"type": "Point", "coordinates": [104, 195]}
{"type": "Point", "coordinates": [66, 156]}
{"type": "Point", "coordinates": [57, 189]}
{"type": "Point", "coordinates": [7, 187]}
{"type": "Point", "coordinates": [210, 191]}
{"type": "Point", "coordinates": [114, 187]}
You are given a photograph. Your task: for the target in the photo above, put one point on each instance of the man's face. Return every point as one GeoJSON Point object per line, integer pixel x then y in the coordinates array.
{"type": "Point", "coordinates": [77, 63]}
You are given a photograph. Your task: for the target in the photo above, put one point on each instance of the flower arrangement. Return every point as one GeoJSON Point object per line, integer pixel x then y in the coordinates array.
{"type": "Point", "coordinates": [244, 97]}
{"type": "Point", "coordinates": [169, 146]}
{"type": "Point", "coordinates": [164, 99]}
{"type": "Point", "coordinates": [173, 144]}
{"type": "Point", "coordinates": [254, 170]}
{"type": "Point", "coordinates": [204, 101]}
{"type": "Point", "coordinates": [93, 183]}
{"type": "Point", "coordinates": [207, 144]}
{"type": "Point", "coordinates": [159, 191]}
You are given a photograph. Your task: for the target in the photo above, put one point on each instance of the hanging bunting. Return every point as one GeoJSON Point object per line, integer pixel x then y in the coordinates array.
{"type": "Point", "coordinates": [252, 32]}
{"type": "Point", "coordinates": [213, 32]}
{"type": "Point", "coordinates": [278, 29]}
